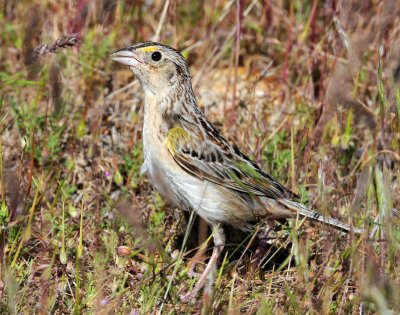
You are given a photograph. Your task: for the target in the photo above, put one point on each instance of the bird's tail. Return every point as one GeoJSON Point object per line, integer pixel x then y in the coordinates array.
{"type": "Point", "coordinates": [305, 212]}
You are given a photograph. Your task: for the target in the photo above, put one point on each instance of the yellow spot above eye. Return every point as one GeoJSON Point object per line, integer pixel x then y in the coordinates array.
{"type": "Point", "coordinates": [148, 49]}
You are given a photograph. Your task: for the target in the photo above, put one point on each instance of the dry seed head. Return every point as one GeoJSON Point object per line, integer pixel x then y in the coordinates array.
{"type": "Point", "coordinates": [61, 43]}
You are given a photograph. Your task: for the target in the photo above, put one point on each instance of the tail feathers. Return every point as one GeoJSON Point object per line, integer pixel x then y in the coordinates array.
{"type": "Point", "coordinates": [305, 212]}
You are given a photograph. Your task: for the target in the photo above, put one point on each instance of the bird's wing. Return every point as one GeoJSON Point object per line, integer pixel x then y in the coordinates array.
{"type": "Point", "coordinates": [213, 159]}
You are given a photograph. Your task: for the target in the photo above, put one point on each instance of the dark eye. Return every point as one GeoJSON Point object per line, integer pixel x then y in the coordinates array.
{"type": "Point", "coordinates": [156, 56]}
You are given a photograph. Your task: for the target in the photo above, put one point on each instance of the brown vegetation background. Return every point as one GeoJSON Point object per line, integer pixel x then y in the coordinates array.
{"type": "Point", "coordinates": [309, 89]}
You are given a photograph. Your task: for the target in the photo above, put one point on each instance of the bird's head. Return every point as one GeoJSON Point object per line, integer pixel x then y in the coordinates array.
{"type": "Point", "coordinates": [159, 68]}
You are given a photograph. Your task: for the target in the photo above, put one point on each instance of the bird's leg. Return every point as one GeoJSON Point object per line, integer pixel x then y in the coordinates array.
{"type": "Point", "coordinates": [208, 273]}
{"type": "Point", "coordinates": [198, 257]}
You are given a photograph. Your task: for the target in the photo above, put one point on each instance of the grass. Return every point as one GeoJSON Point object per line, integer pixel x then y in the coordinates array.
{"type": "Point", "coordinates": [308, 90]}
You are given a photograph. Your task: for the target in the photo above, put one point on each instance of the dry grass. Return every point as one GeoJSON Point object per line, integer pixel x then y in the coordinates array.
{"type": "Point", "coordinates": [309, 89]}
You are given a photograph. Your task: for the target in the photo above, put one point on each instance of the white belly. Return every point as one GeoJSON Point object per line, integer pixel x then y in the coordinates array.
{"type": "Point", "coordinates": [184, 190]}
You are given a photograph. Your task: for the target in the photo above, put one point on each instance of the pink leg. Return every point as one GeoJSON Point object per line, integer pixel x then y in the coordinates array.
{"type": "Point", "coordinates": [192, 271]}
{"type": "Point", "coordinates": [209, 272]}
{"type": "Point", "coordinates": [198, 258]}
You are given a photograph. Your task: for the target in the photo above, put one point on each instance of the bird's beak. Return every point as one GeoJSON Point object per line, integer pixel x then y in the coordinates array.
{"type": "Point", "coordinates": [126, 57]}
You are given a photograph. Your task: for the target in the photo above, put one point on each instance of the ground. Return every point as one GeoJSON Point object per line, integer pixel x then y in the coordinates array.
{"type": "Point", "coordinates": [308, 89]}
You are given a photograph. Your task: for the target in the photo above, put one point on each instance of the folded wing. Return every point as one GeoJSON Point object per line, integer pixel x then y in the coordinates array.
{"type": "Point", "coordinates": [216, 161]}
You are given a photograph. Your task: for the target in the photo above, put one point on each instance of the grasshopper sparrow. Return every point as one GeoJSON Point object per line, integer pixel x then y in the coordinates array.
{"type": "Point", "coordinates": [191, 164]}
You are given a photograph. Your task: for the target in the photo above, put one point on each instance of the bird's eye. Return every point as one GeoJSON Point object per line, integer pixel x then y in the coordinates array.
{"type": "Point", "coordinates": [156, 56]}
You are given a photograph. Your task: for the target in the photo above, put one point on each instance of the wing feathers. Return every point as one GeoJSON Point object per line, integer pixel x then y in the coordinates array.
{"type": "Point", "coordinates": [225, 165]}
{"type": "Point", "coordinates": [229, 168]}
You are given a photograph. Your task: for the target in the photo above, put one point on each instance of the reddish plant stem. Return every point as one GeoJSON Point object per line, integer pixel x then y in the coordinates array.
{"type": "Point", "coordinates": [239, 19]}
{"type": "Point", "coordinates": [32, 155]}
{"type": "Point", "coordinates": [288, 47]}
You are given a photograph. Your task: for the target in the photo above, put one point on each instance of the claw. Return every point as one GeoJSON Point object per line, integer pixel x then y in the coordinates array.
{"type": "Point", "coordinates": [192, 273]}
{"type": "Point", "coordinates": [209, 272]}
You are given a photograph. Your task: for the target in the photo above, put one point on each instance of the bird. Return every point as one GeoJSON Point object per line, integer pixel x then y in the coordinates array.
{"type": "Point", "coordinates": [192, 165]}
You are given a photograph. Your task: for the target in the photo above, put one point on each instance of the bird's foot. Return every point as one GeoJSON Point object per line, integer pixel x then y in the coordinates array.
{"type": "Point", "coordinates": [193, 274]}
{"type": "Point", "coordinates": [192, 271]}
{"type": "Point", "coordinates": [209, 271]}
{"type": "Point", "coordinates": [189, 296]}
